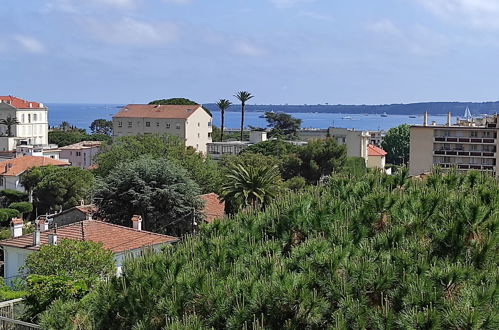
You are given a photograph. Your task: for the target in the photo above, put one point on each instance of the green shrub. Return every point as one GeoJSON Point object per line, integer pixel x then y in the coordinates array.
{"type": "Point", "coordinates": [355, 166]}
{"type": "Point", "coordinates": [7, 214]}
{"type": "Point", "coordinates": [7, 293]}
{"type": "Point", "coordinates": [22, 207]}
{"type": "Point", "coordinates": [9, 196]}
{"type": "Point", "coordinates": [295, 183]}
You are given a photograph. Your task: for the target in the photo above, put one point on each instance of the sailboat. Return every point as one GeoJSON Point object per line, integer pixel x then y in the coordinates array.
{"type": "Point", "coordinates": [467, 114]}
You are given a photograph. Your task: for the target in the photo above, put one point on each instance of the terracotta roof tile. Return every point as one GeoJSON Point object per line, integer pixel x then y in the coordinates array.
{"type": "Point", "coordinates": [372, 150]}
{"type": "Point", "coordinates": [17, 166]}
{"type": "Point", "coordinates": [157, 111]}
{"type": "Point", "coordinates": [213, 207]}
{"type": "Point", "coordinates": [113, 237]}
{"type": "Point", "coordinates": [20, 103]}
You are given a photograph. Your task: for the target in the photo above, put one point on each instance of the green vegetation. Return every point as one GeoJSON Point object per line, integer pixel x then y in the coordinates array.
{"type": "Point", "coordinates": [7, 214]}
{"type": "Point", "coordinates": [370, 252]}
{"type": "Point", "coordinates": [127, 149]}
{"type": "Point", "coordinates": [63, 272]}
{"type": "Point", "coordinates": [65, 138]}
{"type": "Point", "coordinates": [9, 122]}
{"type": "Point", "coordinates": [102, 126]}
{"type": "Point", "coordinates": [283, 125]}
{"type": "Point", "coordinates": [7, 293]}
{"type": "Point", "coordinates": [396, 144]}
{"type": "Point", "coordinates": [216, 135]}
{"type": "Point", "coordinates": [56, 188]}
{"type": "Point", "coordinates": [223, 105]}
{"type": "Point", "coordinates": [174, 101]}
{"type": "Point", "coordinates": [277, 148]}
{"type": "Point", "coordinates": [22, 207]}
{"type": "Point", "coordinates": [9, 196]}
{"type": "Point", "coordinates": [243, 97]}
{"type": "Point", "coordinates": [355, 166]}
{"type": "Point", "coordinates": [157, 189]}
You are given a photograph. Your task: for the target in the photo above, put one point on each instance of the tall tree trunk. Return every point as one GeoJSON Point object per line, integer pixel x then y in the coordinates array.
{"type": "Point", "coordinates": [222, 128]}
{"type": "Point", "coordinates": [242, 119]}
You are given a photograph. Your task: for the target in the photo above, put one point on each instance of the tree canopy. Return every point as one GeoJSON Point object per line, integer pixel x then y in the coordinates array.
{"type": "Point", "coordinates": [396, 143]}
{"type": "Point", "coordinates": [157, 189]}
{"type": "Point", "coordinates": [56, 188]}
{"type": "Point", "coordinates": [101, 126]}
{"type": "Point", "coordinates": [282, 124]}
{"type": "Point", "coordinates": [174, 101]}
{"type": "Point", "coordinates": [202, 170]}
{"type": "Point", "coordinates": [368, 252]}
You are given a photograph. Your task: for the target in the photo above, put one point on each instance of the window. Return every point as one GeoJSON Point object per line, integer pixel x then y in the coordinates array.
{"type": "Point", "coordinates": [199, 135]}
{"type": "Point", "coordinates": [29, 118]}
{"type": "Point", "coordinates": [209, 123]}
{"type": "Point", "coordinates": [157, 124]}
{"type": "Point", "coordinates": [120, 124]}
{"type": "Point", "coordinates": [178, 126]}
{"type": "Point", "coordinates": [34, 117]}
{"type": "Point", "coordinates": [209, 135]}
{"type": "Point", "coordinates": [22, 118]}
{"type": "Point", "coordinates": [78, 153]}
{"type": "Point", "coordinates": [168, 125]}
{"type": "Point", "coordinates": [148, 124]}
{"type": "Point", "coordinates": [129, 124]}
{"type": "Point", "coordinates": [447, 160]}
{"type": "Point", "coordinates": [474, 133]}
{"type": "Point", "coordinates": [199, 124]}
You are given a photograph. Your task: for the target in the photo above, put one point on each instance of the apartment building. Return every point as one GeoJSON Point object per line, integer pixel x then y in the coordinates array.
{"type": "Point", "coordinates": [466, 145]}
{"type": "Point", "coordinates": [356, 142]}
{"type": "Point", "coordinates": [217, 149]}
{"type": "Point", "coordinates": [31, 126]}
{"type": "Point", "coordinates": [81, 154]}
{"type": "Point", "coordinates": [191, 123]}
{"type": "Point", "coordinates": [376, 138]}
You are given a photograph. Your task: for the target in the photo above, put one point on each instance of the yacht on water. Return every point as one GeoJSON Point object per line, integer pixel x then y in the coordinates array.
{"type": "Point", "coordinates": [384, 114]}
{"type": "Point", "coordinates": [346, 117]}
{"type": "Point", "coordinates": [413, 116]}
{"type": "Point", "coordinates": [467, 114]}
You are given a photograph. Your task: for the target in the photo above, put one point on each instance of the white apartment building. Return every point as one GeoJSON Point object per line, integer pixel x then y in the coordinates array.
{"type": "Point", "coordinates": [32, 127]}
{"type": "Point", "coordinates": [81, 154]}
{"type": "Point", "coordinates": [191, 123]}
{"type": "Point", "coordinates": [467, 145]}
{"type": "Point", "coordinates": [356, 142]}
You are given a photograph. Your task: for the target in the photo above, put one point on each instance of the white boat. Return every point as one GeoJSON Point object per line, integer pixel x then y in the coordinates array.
{"type": "Point", "coordinates": [467, 114]}
{"type": "Point", "coordinates": [346, 117]}
{"type": "Point", "coordinates": [413, 116]}
{"type": "Point", "coordinates": [384, 114]}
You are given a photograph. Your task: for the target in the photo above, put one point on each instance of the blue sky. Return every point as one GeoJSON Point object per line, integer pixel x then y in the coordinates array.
{"type": "Point", "coordinates": [282, 51]}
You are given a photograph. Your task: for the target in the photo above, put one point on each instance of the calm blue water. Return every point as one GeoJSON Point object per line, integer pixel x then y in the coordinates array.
{"type": "Point", "coordinates": [81, 115]}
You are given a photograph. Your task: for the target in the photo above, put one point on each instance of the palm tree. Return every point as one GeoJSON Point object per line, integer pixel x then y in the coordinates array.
{"type": "Point", "coordinates": [243, 97]}
{"type": "Point", "coordinates": [223, 104]}
{"type": "Point", "coordinates": [9, 122]}
{"type": "Point", "coordinates": [251, 186]}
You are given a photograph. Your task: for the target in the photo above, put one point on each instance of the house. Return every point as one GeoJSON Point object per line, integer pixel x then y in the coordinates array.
{"type": "Point", "coordinates": [31, 126]}
{"type": "Point", "coordinates": [213, 207]}
{"type": "Point", "coordinates": [469, 144]}
{"type": "Point", "coordinates": [122, 241]}
{"type": "Point", "coordinates": [217, 149]}
{"type": "Point", "coordinates": [191, 123]}
{"type": "Point", "coordinates": [81, 154]}
{"type": "Point", "coordinates": [12, 170]}
{"type": "Point", "coordinates": [49, 150]}
{"type": "Point", "coordinates": [376, 157]}
{"type": "Point", "coordinates": [75, 214]}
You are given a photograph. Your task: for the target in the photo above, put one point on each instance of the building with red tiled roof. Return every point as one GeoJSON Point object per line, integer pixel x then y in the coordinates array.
{"type": "Point", "coordinates": [120, 240]}
{"type": "Point", "coordinates": [213, 207]}
{"type": "Point", "coordinates": [31, 127]}
{"type": "Point", "coordinates": [376, 157]}
{"type": "Point", "coordinates": [11, 170]}
{"type": "Point", "coordinates": [191, 123]}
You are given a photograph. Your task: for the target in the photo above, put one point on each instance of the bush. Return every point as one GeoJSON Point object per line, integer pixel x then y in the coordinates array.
{"type": "Point", "coordinates": [295, 183]}
{"type": "Point", "coordinates": [7, 214]}
{"type": "Point", "coordinates": [355, 166]}
{"type": "Point", "coordinates": [22, 207]}
{"type": "Point", "coordinates": [9, 196]}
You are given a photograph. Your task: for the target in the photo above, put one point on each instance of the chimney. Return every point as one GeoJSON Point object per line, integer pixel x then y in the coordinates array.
{"type": "Point", "coordinates": [449, 119]}
{"type": "Point", "coordinates": [36, 236]}
{"type": "Point", "coordinates": [137, 222]}
{"type": "Point", "coordinates": [53, 237]}
{"type": "Point", "coordinates": [42, 224]}
{"type": "Point", "coordinates": [82, 202]}
{"type": "Point", "coordinates": [425, 121]}
{"type": "Point", "coordinates": [16, 228]}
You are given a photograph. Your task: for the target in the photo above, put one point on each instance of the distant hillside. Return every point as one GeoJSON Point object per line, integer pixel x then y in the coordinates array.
{"type": "Point", "coordinates": [433, 108]}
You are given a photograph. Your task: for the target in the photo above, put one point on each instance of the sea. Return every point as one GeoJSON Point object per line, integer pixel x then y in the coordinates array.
{"type": "Point", "coordinates": [82, 115]}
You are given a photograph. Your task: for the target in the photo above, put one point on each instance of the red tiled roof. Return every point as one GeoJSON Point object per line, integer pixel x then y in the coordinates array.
{"type": "Point", "coordinates": [113, 237]}
{"type": "Point", "coordinates": [213, 207]}
{"type": "Point", "coordinates": [17, 166]}
{"type": "Point", "coordinates": [372, 150]}
{"type": "Point", "coordinates": [20, 103]}
{"type": "Point", "coordinates": [157, 111]}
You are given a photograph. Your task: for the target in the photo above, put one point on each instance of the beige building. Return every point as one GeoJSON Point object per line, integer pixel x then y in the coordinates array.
{"type": "Point", "coordinates": [191, 123]}
{"type": "Point", "coordinates": [32, 126]}
{"type": "Point", "coordinates": [81, 154]}
{"type": "Point", "coordinates": [467, 145]}
{"type": "Point", "coordinates": [376, 157]}
{"type": "Point", "coordinates": [355, 141]}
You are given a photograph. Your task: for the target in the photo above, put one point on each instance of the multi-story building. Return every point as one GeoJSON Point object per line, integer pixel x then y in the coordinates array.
{"type": "Point", "coordinates": [191, 123]}
{"type": "Point", "coordinates": [356, 142]}
{"type": "Point", "coordinates": [467, 145]}
{"type": "Point", "coordinates": [376, 138]}
{"type": "Point", "coordinates": [30, 123]}
{"type": "Point", "coordinates": [81, 154]}
{"type": "Point", "coordinates": [50, 150]}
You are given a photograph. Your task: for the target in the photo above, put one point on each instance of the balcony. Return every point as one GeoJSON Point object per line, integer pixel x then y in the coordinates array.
{"type": "Point", "coordinates": [464, 139]}
{"type": "Point", "coordinates": [477, 167]}
{"type": "Point", "coordinates": [462, 153]}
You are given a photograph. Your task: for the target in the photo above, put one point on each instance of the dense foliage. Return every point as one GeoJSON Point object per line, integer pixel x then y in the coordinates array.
{"type": "Point", "coordinates": [9, 196]}
{"type": "Point", "coordinates": [396, 144]}
{"type": "Point", "coordinates": [65, 271]}
{"type": "Point", "coordinates": [102, 126]}
{"type": "Point", "coordinates": [374, 252]}
{"type": "Point", "coordinates": [65, 138]}
{"type": "Point", "coordinates": [7, 293]}
{"type": "Point", "coordinates": [157, 189]}
{"type": "Point", "coordinates": [56, 188]}
{"type": "Point", "coordinates": [125, 149]}
{"type": "Point", "coordinates": [282, 124]}
{"type": "Point", "coordinates": [174, 101]}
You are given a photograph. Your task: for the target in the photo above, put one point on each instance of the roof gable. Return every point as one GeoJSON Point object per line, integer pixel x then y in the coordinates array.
{"type": "Point", "coordinates": [157, 111]}
{"type": "Point", "coordinates": [20, 103]}
{"type": "Point", "coordinates": [372, 150]}
{"type": "Point", "coordinates": [17, 166]}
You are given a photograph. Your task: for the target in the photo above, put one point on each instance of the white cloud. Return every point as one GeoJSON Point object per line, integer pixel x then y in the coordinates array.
{"type": "Point", "coordinates": [29, 44]}
{"type": "Point", "coordinates": [482, 14]}
{"type": "Point", "coordinates": [247, 48]}
{"type": "Point", "coordinates": [129, 31]}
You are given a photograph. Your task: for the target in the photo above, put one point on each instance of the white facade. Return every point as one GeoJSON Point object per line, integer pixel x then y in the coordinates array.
{"type": "Point", "coordinates": [11, 182]}
{"type": "Point", "coordinates": [51, 151]}
{"type": "Point", "coordinates": [356, 142]}
{"type": "Point", "coordinates": [81, 154]}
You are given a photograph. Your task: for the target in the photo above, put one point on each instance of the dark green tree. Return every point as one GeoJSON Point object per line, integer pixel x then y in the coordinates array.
{"type": "Point", "coordinates": [9, 122]}
{"type": "Point", "coordinates": [157, 189]}
{"type": "Point", "coordinates": [102, 126]}
{"type": "Point", "coordinates": [283, 125]}
{"type": "Point", "coordinates": [56, 188]}
{"type": "Point", "coordinates": [243, 97]}
{"type": "Point", "coordinates": [276, 148]}
{"type": "Point", "coordinates": [396, 143]}
{"type": "Point", "coordinates": [223, 105]}
{"type": "Point", "coordinates": [174, 101]}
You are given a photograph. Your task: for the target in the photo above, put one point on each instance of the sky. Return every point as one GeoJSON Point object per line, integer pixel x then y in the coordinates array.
{"type": "Point", "coordinates": [282, 51]}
